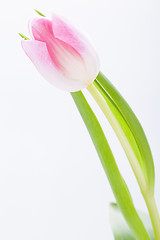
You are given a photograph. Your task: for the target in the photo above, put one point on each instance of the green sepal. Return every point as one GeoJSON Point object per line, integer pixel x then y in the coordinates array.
{"type": "Point", "coordinates": [41, 14]}
{"type": "Point", "coordinates": [23, 36]}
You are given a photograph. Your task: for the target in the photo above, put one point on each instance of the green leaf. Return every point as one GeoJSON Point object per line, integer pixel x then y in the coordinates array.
{"type": "Point", "coordinates": [121, 128]}
{"type": "Point", "coordinates": [144, 156]}
{"type": "Point", "coordinates": [120, 228]}
{"type": "Point", "coordinates": [116, 181]}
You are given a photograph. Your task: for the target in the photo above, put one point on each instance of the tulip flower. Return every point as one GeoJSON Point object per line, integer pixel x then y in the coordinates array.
{"type": "Point", "coordinates": [61, 54]}
{"type": "Point", "coordinates": [67, 60]}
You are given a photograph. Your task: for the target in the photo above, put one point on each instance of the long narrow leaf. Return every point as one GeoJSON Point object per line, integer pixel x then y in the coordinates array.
{"type": "Point", "coordinates": [117, 182]}
{"type": "Point", "coordinates": [135, 128]}
{"type": "Point", "coordinates": [124, 126]}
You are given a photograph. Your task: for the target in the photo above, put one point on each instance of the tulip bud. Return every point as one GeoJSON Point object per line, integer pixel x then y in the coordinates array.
{"type": "Point", "coordinates": [61, 54]}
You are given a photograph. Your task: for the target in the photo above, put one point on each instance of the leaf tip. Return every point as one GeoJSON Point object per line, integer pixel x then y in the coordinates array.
{"type": "Point", "coordinates": [41, 14]}
{"type": "Point", "coordinates": [23, 36]}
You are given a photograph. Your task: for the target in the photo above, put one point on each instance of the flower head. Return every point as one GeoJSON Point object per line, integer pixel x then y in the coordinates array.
{"type": "Point", "coordinates": [61, 54]}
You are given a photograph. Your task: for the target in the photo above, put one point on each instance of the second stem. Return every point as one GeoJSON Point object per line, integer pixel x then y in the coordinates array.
{"type": "Point", "coordinates": [149, 199]}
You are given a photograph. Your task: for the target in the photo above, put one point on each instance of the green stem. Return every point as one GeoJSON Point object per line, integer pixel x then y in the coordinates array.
{"type": "Point", "coordinates": [154, 215]}
{"type": "Point", "coordinates": [148, 196]}
{"type": "Point", "coordinates": [145, 158]}
{"type": "Point", "coordinates": [116, 181]}
{"type": "Point", "coordinates": [120, 134]}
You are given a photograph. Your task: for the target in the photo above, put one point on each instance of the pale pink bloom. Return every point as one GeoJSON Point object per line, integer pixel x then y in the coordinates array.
{"type": "Point", "coordinates": [61, 54]}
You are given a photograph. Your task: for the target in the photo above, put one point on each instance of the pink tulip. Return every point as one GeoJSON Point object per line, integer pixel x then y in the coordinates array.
{"type": "Point", "coordinates": [61, 54]}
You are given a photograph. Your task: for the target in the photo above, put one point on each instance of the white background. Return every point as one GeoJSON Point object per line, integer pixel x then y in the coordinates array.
{"type": "Point", "coordinates": [52, 185]}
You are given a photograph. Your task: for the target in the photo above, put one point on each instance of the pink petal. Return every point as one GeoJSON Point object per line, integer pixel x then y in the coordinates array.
{"type": "Point", "coordinates": [41, 29]}
{"type": "Point", "coordinates": [64, 56]}
{"type": "Point", "coordinates": [62, 52]}
{"type": "Point", "coordinates": [68, 34]}
{"type": "Point", "coordinates": [38, 53]}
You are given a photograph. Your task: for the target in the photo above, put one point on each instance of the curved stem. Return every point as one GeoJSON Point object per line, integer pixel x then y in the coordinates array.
{"type": "Point", "coordinates": [145, 158]}
{"type": "Point", "coordinates": [107, 159]}
{"type": "Point", "coordinates": [154, 215]}
{"type": "Point", "coordinates": [121, 136]}
{"type": "Point", "coordinates": [148, 196]}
